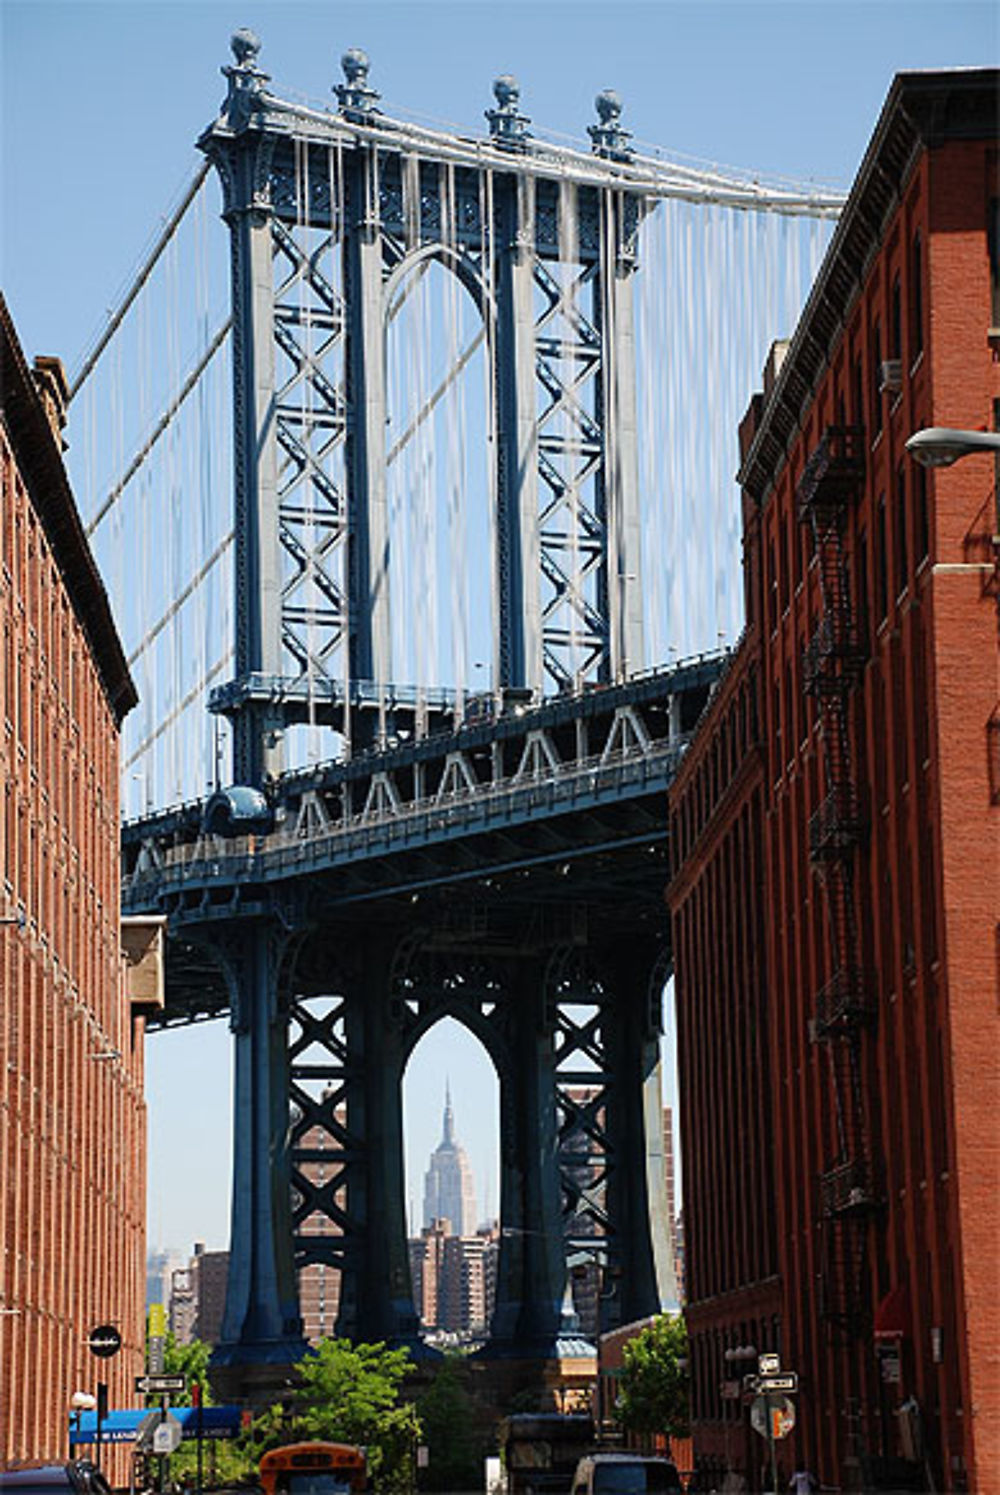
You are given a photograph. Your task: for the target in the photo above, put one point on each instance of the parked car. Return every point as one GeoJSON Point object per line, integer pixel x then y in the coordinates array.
{"type": "Point", "coordinates": [77, 1478]}
{"type": "Point", "coordinates": [625, 1474]}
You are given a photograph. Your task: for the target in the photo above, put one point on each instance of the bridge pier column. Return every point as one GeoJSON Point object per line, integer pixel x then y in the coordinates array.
{"type": "Point", "coordinates": [262, 1329]}
{"type": "Point", "coordinates": [637, 1196]}
{"type": "Point", "coordinates": [532, 1268]}
{"type": "Point", "coordinates": [376, 1295]}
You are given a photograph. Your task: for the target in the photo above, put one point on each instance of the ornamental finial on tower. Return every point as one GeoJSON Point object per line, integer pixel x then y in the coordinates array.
{"type": "Point", "coordinates": [609, 139]}
{"type": "Point", "coordinates": [357, 99]}
{"type": "Point", "coordinates": [508, 125]}
{"type": "Point", "coordinates": [246, 81]}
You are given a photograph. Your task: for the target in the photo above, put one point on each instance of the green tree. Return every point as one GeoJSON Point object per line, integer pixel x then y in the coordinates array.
{"type": "Point", "coordinates": [350, 1394]}
{"type": "Point", "coordinates": [448, 1421]}
{"type": "Point", "coordinates": [654, 1395]}
{"type": "Point", "coordinates": [190, 1360]}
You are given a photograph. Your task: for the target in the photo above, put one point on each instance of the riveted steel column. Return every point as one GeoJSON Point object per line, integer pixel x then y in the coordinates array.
{"type": "Point", "coordinates": [261, 1328]}
{"type": "Point", "coordinates": [520, 664]}
{"type": "Point", "coordinates": [243, 160]}
{"type": "Point", "coordinates": [637, 1193]}
{"type": "Point", "coordinates": [532, 1268]}
{"type": "Point", "coordinates": [620, 467]}
{"type": "Point", "coordinates": [369, 530]}
{"type": "Point", "coordinates": [376, 1300]}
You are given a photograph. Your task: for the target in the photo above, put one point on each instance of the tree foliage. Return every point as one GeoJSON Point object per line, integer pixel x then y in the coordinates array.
{"type": "Point", "coordinates": [654, 1387]}
{"type": "Point", "coordinates": [349, 1394]}
{"type": "Point", "coordinates": [447, 1418]}
{"type": "Point", "coordinates": [190, 1360]}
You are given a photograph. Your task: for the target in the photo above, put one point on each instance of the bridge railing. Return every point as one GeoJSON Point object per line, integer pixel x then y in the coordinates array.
{"type": "Point", "coordinates": [420, 820]}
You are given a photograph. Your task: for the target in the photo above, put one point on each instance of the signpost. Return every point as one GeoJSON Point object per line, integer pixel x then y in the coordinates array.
{"type": "Point", "coordinates": [772, 1414]}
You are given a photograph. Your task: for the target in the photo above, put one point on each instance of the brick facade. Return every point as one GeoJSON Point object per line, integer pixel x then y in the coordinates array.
{"type": "Point", "coordinates": [72, 1114]}
{"type": "Point", "coordinates": [872, 639]}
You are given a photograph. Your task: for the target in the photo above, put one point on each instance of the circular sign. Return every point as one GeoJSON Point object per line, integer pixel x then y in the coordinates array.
{"type": "Point", "coordinates": [104, 1341]}
{"type": "Point", "coordinates": [772, 1416]}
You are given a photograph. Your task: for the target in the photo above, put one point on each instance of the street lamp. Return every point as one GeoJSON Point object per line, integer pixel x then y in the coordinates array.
{"type": "Point", "coordinates": [80, 1402]}
{"type": "Point", "coordinates": [940, 446]}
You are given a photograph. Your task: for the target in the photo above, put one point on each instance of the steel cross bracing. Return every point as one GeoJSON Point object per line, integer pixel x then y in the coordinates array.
{"type": "Point", "coordinates": [508, 875]}
{"type": "Point", "coordinates": [334, 216]}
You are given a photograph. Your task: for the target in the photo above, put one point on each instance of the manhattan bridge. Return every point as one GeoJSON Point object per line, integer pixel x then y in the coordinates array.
{"type": "Point", "coordinates": [417, 514]}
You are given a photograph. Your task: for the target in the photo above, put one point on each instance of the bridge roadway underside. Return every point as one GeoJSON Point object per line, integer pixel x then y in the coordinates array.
{"type": "Point", "coordinates": [528, 905]}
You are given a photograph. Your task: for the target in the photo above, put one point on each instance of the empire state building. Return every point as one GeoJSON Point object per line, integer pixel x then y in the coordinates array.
{"type": "Point", "coordinates": [449, 1190]}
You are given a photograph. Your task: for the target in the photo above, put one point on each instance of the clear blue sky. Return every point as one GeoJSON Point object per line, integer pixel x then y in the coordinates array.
{"type": "Point", "coordinates": [101, 106]}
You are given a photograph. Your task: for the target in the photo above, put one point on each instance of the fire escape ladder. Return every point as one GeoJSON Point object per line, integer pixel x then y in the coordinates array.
{"type": "Point", "coordinates": [832, 663]}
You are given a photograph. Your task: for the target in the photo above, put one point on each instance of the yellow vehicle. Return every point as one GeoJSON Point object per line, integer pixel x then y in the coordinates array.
{"type": "Point", "coordinates": [314, 1469]}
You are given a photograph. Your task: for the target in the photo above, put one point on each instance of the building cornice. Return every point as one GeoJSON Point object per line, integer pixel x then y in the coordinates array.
{"type": "Point", "coordinates": [40, 461]}
{"type": "Point", "coordinates": [923, 110]}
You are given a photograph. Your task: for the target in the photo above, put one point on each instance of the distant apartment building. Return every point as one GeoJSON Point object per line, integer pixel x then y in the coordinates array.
{"type": "Point", "coordinates": [454, 1278]}
{"type": "Point", "coordinates": [72, 1112]}
{"type": "Point", "coordinates": [198, 1296]}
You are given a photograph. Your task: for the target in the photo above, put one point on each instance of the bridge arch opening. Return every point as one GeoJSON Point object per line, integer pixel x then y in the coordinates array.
{"type": "Point", "coordinates": [440, 476]}
{"type": "Point", "coordinates": [451, 1106]}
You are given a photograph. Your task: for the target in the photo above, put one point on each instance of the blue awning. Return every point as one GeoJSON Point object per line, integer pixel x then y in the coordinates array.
{"type": "Point", "coordinates": [121, 1427]}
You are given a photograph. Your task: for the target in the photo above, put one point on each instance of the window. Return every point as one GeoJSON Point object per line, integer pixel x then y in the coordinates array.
{"type": "Point", "coordinates": [902, 559]}
{"type": "Point", "coordinates": [876, 379]}
{"type": "Point", "coordinates": [920, 513]}
{"type": "Point", "coordinates": [881, 563]}
{"type": "Point", "coordinates": [896, 320]}
{"type": "Point", "coordinates": [916, 298]}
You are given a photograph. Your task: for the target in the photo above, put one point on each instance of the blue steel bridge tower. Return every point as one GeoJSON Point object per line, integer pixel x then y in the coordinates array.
{"type": "Point", "coordinates": [504, 869]}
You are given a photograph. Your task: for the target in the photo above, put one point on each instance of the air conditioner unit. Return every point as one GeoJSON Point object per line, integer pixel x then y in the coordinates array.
{"type": "Point", "coordinates": [891, 376]}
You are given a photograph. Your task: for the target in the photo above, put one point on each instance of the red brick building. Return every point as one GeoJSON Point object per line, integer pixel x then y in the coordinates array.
{"type": "Point", "coordinates": [836, 831]}
{"type": "Point", "coordinates": [72, 1115]}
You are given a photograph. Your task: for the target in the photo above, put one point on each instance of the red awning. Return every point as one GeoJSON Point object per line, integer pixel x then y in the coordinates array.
{"type": "Point", "coordinates": [892, 1316]}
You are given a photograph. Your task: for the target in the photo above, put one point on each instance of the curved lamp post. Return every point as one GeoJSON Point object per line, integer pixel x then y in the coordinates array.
{"type": "Point", "coordinates": [940, 446]}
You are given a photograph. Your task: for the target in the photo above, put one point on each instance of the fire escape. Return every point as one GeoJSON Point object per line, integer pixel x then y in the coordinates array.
{"type": "Point", "coordinates": [832, 664]}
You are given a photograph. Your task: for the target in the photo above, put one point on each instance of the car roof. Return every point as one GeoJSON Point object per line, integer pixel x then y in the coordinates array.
{"type": "Point", "coordinates": [45, 1474]}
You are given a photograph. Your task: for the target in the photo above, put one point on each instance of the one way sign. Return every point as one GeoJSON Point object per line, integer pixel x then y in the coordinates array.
{"type": "Point", "coordinates": [158, 1385]}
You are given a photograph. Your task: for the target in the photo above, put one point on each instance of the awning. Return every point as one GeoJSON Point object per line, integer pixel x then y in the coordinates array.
{"type": "Point", "coordinates": [121, 1427]}
{"type": "Point", "coordinates": [892, 1316]}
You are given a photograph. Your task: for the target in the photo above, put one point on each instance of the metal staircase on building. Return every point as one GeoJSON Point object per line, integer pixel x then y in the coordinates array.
{"type": "Point", "coordinates": [832, 665]}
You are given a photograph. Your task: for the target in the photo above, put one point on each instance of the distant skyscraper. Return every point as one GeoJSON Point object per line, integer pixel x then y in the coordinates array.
{"type": "Point", "coordinates": [449, 1190]}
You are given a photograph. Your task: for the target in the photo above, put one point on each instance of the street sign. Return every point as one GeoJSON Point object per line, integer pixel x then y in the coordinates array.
{"type": "Point", "coordinates": [144, 1432]}
{"type": "Point", "coordinates": [772, 1416]}
{"type": "Point", "coordinates": [786, 1380]}
{"type": "Point", "coordinates": [768, 1365]}
{"type": "Point", "coordinates": [167, 1435]}
{"type": "Point", "coordinates": [157, 1385]}
{"type": "Point", "coordinates": [104, 1341]}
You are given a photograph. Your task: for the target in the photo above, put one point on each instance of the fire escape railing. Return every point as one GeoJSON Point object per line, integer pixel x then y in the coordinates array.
{"type": "Point", "coordinates": [832, 666]}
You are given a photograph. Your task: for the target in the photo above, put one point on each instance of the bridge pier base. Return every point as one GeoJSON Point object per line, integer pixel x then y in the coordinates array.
{"type": "Point", "coordinates": [262, 1336]}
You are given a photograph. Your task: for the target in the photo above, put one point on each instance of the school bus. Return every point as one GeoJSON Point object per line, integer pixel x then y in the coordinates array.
{"type": "Point", "coordinates": [314, 1469]}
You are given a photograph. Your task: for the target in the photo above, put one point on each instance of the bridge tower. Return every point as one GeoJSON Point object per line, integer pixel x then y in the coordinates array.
{"type": "Point", "coordinates": [328, 211]}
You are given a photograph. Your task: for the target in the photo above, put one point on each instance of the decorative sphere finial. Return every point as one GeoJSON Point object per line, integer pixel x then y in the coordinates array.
{"type": "Point", "coordinates": [356, 96]}
{"type": "Point", "coordinates": [508, 126]}
{"type": "Point", "coordinates": [609, 139]}
{"type": "Point", "coordinates": [506, 90]}
{"type": "Point", "coordinates": [246, 46]}
{"type": "Point", "coordinates": [355, 64]}
{"type": "Point", "coordinates": [608, 106]}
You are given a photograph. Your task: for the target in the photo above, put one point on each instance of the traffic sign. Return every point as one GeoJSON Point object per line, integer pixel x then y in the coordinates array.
{"type": "Point", "coordinates": [772, 1416]}
{"type": "Point", "coordinates": [157, 1385]}
{"type": "Point", "coordinates": [786, 1380]}
{"type": "Point", "coordinates": [167, 1436]}
{"type": "Point", "coordinates": [769, 1364]}
{"type": "Point", "coordinates": [104, 1341]}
